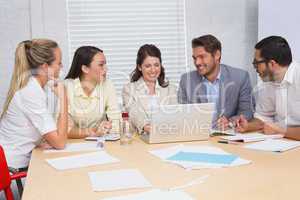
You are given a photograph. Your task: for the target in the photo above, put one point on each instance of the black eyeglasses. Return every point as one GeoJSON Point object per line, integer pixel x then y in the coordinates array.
{"type": "Point", "coordinates": [256, 62]}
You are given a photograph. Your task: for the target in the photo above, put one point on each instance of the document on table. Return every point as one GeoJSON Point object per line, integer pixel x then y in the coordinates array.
{"type": "Point", "coordinates": [118, 180]}
{"type": "Point", "coordinates": [203, 157]}
{"type": "Point", "coordinates": [164, 153]}
{"type": "Point", "coordinates": [82, 160]}
{"type": "Point", "coordinates": [215, 132]}
{"type": "Point", "coordinates": [207, 157]}
{"type": "Point", "coordinates": [251, 137]}
{"type": "Point", "coordinates": [155, 194]}
{"type": "Point", "coordinates": [75, 147]}
{"type": "Point", "coordinates": [278, 145]}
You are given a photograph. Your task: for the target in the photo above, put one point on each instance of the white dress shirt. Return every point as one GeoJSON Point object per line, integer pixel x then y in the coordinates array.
{"type": "Point", "coordinates": [25, 122]}
{"type": "Point", "coordinates": [280, 103]}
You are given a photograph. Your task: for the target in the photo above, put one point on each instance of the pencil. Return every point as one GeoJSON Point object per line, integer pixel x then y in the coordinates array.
{"type": "Point", "coordinates": [106, 117]}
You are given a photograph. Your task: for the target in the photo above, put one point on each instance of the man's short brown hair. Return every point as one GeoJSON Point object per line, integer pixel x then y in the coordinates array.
{"type": "Point", "coordinates": [210, 43]}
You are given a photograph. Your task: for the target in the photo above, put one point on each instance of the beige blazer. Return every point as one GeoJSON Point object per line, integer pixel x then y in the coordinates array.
{"type": "Point", "coordinates": [137, 101]}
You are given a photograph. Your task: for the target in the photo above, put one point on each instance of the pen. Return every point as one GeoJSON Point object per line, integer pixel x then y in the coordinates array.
{"type": "Point", "coordinates": [230, 123]}
{"type": "Point", "coordinates": [106, 117]}
{"type": "Point", "coordinates": [227, 142]}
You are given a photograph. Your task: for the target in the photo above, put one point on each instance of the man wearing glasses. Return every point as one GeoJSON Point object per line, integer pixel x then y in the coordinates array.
{"type": "Point", "coordinates": [278, 101]}
{"type": "Point", "coordinates": [229, 88]}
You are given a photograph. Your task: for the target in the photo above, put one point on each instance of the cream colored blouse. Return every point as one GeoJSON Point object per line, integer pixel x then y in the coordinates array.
{"type": "Point", "coordinates": [89, 111]}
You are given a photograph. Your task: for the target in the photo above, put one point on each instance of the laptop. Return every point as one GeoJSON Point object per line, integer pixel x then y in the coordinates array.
{"type": "Point", "coordinates": [180, 123]}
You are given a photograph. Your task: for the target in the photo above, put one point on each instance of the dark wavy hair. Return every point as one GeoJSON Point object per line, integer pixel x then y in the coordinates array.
{"type": "Point", "coordinates": [143, 52]}
{"type": "Point", "coordinates": [83, 56]}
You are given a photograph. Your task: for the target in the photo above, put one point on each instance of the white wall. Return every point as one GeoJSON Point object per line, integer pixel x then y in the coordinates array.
{"type": "Point", "coordinates": [25, 19]}
{"type": "Point", "coordinates": [234, 22]}
{"type": "Point", "coordinates": [15, 27]}
{"type": "Point", "coordinates": [49, 20]}
{"type": "Point", "coordinates": [282, 19]}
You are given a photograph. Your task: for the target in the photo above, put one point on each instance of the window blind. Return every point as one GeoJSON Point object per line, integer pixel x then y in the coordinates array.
{"type": "Point", "coordinates": [120, 27]}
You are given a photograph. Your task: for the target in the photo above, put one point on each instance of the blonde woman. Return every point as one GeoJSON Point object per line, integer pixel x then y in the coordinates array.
{"type": "Point", "coordinates": [25, 119]}
{"type": "Point", "coordinates": [93, 108]}
{"type": "Point", "coordinates": [147, 88]}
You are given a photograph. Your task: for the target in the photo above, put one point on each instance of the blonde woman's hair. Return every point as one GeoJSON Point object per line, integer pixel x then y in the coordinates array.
{"type": "Point", "coordinates": [29, 55]}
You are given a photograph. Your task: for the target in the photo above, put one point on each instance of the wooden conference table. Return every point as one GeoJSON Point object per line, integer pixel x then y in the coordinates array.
{"type": "Point", "coordinates": [270, 175]}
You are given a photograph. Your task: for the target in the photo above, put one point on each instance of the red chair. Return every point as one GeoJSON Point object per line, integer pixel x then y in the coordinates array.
{"type": "Point", "coordinates": [6, 177]}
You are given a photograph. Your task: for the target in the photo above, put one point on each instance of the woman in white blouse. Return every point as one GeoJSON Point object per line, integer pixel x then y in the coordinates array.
{"type": "Point", "coordinates": [147, 88]}
{"type": "Point", "coordinates": [26, 119]}
{"type": "Point", "coordinates": [93, 108]}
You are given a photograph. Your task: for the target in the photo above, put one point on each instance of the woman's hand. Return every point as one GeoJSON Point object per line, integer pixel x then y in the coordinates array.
{"type": "Point", "coordinates": [104, 128]}
{"type": "Point", "coordinates": [45, 145]}
{"type": "Point", "coordinates": [58, 88]}
{"type": "Point", "coordinates": [147, 128]}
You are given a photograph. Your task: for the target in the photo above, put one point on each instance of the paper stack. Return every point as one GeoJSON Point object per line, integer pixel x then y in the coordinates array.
{"type": "Point", "coordinates": [215, 132]}
{"type": "Point", "coordinates": [197, 157]}
{"type": "Point", "coordinates": [278, 145]}
{"type": "Point", "coordinates": [250, 137]}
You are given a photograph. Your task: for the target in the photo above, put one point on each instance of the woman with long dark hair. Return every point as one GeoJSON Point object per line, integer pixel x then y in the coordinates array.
{"type": "Point", "coordinates": [147, 88]}
{"type": "Point", "coordinates": [93, 108]}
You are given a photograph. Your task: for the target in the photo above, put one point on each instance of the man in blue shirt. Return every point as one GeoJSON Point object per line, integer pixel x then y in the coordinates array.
{"type": "Point", "coordinates": [229, 88]}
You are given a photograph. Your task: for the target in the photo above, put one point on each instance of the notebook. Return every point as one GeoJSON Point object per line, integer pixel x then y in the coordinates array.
{"type": "Point", "coordinates": [251, 137]}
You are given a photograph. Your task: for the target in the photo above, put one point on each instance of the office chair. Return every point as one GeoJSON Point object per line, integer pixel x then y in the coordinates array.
{"type": "Point", "coordinates": [6, 177]}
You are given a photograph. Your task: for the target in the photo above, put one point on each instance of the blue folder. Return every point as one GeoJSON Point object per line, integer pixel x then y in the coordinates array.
{"type": "Point", "coordinates": [203, 157]}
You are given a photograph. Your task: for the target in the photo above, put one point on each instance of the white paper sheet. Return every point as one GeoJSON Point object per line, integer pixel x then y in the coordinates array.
{"type": "Point", "coordinates": [251, 137]}
{"type": "Point", "coordinates": [118, 180]}
{"type": "Point", "coordinates": [74, 147]}
{"type": "Point", "coordinates": [164, 153]}
{"type": "Point", "coordinates": [278, 145]}
{"type": "Point", "coordinates": [82, 160]}
{"type": "Point", "coordinates": [155, 195]}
